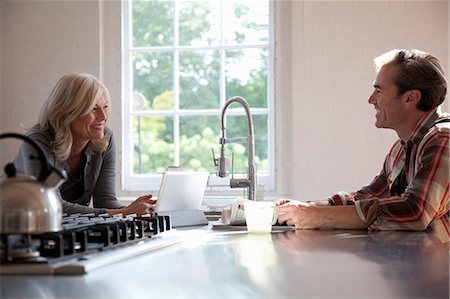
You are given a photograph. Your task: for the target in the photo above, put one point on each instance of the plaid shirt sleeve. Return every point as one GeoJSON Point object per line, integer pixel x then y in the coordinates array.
{"type": "Point", "coordinates": [378, 188]}
{"type": "Point", "coordinates": [425, 202]}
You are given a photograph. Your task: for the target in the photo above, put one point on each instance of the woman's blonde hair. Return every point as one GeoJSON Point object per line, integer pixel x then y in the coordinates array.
{"type": "Point", "coordinates": [73, 96]}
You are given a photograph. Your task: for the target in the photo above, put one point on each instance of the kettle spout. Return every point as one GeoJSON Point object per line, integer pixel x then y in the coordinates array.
{"type": "Point", "coordinates": [55, 178]}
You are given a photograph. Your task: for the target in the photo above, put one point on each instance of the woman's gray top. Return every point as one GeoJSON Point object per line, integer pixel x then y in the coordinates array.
{"type": "Point", "coordinates": [99, 172]}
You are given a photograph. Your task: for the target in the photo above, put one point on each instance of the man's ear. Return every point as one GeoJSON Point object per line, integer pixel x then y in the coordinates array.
{"type": "Point", "coordinates": [413, 96]}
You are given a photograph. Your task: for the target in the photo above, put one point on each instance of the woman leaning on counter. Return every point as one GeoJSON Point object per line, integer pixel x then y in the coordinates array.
{"type": "Point", "coordinates": [72, 133]}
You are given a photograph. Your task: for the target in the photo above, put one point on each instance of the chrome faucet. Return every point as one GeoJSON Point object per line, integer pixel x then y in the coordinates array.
{"type": "Point", "coordinates": [220, 163]}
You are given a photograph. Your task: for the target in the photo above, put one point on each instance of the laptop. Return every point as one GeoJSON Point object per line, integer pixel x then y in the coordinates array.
{"type": "Point", "coordinates": [180, 196]}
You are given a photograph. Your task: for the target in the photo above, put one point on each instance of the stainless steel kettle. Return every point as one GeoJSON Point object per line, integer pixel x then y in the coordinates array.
{"type": "Point", "coordinates": [30, 205]}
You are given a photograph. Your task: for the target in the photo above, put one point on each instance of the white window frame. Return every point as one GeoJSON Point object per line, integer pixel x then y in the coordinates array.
{"type": "Point", "coordinates": [150, 182]}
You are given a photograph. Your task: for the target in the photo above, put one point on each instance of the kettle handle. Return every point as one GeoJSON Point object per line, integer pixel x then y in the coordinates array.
{"type": "Point", "coordinates": [45, 170]}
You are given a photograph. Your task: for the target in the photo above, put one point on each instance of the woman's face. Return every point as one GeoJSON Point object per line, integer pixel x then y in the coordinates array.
{"type": "Point", "coordinates": [91, 126]}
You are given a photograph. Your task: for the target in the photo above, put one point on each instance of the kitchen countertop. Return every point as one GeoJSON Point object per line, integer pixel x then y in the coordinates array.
{"type": "Point", "coordinates": [289, 264]}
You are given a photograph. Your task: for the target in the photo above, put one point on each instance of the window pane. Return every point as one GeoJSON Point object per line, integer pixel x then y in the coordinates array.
{"type": "Point", "coordinates": [246, 75]}
{"type": "Point", "coordinates": [260, 124]}
{"type": "Point", "coordinates": [153, 78]}
{"type": "Point", "coordinates": [247, 22]}
{"type": "Point", "coordinates": [199, 79]}
{"type": "Point", "coordinates": [237, 128]}
{"type": "Point", "coordinates": [184, 60]}
{"type": "Point", "coordinates": [199, 23]}
{"type": "Point", "coordinates": [198, 134]}
{"type": "Point", "coordinates": [153, 144]}
{"type": "Point", "coordinates": [152, 23]}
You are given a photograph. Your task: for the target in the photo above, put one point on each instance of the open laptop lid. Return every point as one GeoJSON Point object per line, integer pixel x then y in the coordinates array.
{"type": "Point", "coordinates": [181, 190]}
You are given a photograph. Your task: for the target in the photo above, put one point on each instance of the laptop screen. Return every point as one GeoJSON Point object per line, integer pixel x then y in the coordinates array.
{"type": "Point", "coordinates": [181, 190]}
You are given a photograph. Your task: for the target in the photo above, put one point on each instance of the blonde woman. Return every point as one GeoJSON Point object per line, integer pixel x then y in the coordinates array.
{"type": "Point", "coordinates": [72, 133]}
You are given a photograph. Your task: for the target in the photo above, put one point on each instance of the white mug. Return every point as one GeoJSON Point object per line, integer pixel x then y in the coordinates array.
{"type": "Point", "coordinates": [260, 216]}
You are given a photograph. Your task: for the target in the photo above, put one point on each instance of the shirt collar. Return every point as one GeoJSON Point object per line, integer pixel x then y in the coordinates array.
{"type": "Point", "coordinates": [424, 124]}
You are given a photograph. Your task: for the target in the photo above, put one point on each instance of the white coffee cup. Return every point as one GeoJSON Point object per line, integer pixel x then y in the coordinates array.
{"type": "Point", "coordinates": [259, 216]}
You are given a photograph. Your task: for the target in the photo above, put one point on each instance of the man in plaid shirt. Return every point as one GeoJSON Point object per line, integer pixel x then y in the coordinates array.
{"type": "Point", "coordinates": [412, 191]}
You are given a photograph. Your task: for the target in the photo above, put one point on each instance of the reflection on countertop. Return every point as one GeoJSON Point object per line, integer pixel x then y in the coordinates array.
{"type": "Point", "coordinates": [289, 264]}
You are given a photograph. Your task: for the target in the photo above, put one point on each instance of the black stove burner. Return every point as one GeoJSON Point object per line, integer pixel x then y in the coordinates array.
{"type": "Point", "coordinates": [81, 234]}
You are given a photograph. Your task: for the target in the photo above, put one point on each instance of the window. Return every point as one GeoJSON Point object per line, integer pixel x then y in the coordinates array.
{"type": "Point", "coordinates": [181, 61]}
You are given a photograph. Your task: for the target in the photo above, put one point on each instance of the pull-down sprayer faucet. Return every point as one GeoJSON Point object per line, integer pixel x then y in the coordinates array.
{"type": "Point", "coordinates": [250, 181]}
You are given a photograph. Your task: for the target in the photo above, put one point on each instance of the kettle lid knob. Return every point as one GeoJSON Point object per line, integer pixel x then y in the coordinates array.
{"type": "Point", "coordinates": [10, 170]}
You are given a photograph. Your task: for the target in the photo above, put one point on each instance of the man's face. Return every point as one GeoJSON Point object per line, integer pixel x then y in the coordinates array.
{"type": "Point", "coordinates": [389, 107]}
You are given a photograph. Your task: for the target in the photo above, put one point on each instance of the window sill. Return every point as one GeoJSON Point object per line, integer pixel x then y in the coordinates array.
{"type": "Point", "coordinates": [210, 203]}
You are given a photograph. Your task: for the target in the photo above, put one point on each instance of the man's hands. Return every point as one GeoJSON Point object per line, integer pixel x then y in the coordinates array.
{"type": "Point", "coordinates": [317, 215]}
{"type": "Point", "coordinates": [296, 213]}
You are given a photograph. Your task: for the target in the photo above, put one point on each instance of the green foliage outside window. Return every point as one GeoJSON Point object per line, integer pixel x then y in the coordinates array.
{"type": "Point", "coordinates": [199, 75]}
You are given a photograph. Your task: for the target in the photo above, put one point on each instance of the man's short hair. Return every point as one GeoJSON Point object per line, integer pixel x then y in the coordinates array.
{"type": "Point", "coordinates": [417, 70]}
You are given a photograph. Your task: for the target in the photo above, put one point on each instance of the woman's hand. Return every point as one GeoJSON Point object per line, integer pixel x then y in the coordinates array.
{"type": "Point", "coordinates": [141, 206]}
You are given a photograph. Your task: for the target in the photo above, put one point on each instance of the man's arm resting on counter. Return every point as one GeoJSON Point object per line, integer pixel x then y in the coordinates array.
{"type": "Point", "coordinates": [305, 216]}
{"type": "Point", "coordinates": [341, 217]}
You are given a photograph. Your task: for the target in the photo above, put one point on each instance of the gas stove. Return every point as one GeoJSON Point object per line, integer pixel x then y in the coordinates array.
{"type": "Point", "coordinates": [85, 243]}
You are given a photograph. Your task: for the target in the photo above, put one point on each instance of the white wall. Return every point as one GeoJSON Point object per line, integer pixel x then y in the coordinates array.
{"type": "Point", "coordinates": [41, 41]}
{"type": "Point", "coordinates": [335, 144]}
{"type": "Point", "coordinates": [326, 140]}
